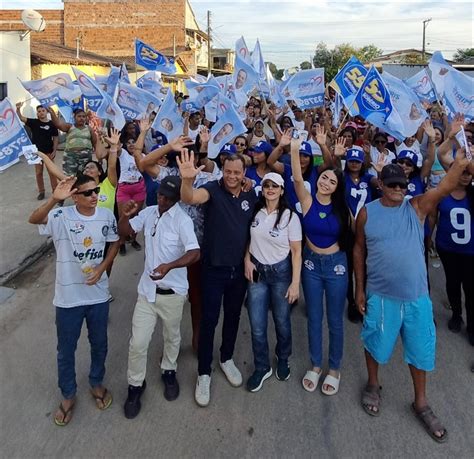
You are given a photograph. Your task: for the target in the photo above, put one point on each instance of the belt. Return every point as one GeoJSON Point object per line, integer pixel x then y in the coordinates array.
{"type": "Point", "coordinates": [161, 291]}
{"type": "Point", "coordinates": [131, 183]}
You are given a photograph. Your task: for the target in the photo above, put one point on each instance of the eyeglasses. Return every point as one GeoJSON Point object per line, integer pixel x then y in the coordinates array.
{"type": "Point", "coordinates": [240, 145]}
{"type": "Point", "coordinates": [155, 224]}
{"type": "Point", "coordinates": [402, 186]}
{"type": "Point", "coordinates": [270, 185]}
{"type": "Point", "coordinates": [88, 193]}
{"type": "Point", "coordinates": [405, 162]}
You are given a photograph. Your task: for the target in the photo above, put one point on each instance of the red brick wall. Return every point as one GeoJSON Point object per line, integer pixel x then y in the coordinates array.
{"type": "Point", "coordinates": [54, 31]}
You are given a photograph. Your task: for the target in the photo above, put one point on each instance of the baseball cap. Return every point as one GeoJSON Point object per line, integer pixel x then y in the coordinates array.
{"type": "Point", "coordinates": [409, 154]}
{"type": "Point", "coordinates": [228, 148]}
{"type": "Point", "coordinates": [393, 173]}
{"type": "Point", "coordinates": [306, 149]}
{"type": "Point", "coordinates": [354, 154]}
{"type": "Point", "coordinates": [262, 147]}
{"type": "Point", "coordinates": [170, 187]}
{"type": "Point", "coordinates": [258, 120]}
{"type": "Point", "coordinates": [351, 124]}
{"type": "Point", "coordinates": [275, 178]}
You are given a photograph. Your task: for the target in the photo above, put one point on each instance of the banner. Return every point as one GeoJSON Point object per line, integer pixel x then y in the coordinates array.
{"type": "Point", "coordinates": [201, 94]}
{"type": "Point", "coordinates": [110, 110]}
{"type": "Point", "coordinates": [136, 103]}
{"type": "Point", "coordinates": [454, 88]}
{"type": "Point", "coordinates": [169, 121]}
{"type": "Point", "coordinates": [349, 80]}
{"type": "Point", "coordinates": [420, 83]}
{"type": "Point", "coordinates": [89, 89]}
{"type": "Point", "coordinates": [150, 59]}
{"type": "Point", "coordinates": [274, 88]}
{"type": "Point", "coordinates": [108, 83]}
{"type": "Point", "coordinates": [123, 74]}
{"type": "Point", "coordinates": [152, 82]}
{"type": "Point", "coordinates": [228, 126]}
{"type": "Point", "coordinates": [12, 134]}
{"type": "Point", "coordinates": [406, 103]}
{"type": "Point", "coordinates": [306, 88]}
{"type": "Point", "coordinates": [245, 77]}
{"type": "Point", "coordinates": [257, 61]}
{"type": "Point", "coordinates": [242, 51]}
{"type": "Point", "coordinates": [336, 110]}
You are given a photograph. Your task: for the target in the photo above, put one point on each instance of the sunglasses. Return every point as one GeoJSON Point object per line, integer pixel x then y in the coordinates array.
{"type": "Point", "coordinates": [88, 193]}
{"type": "Point", "coordinates": [405, 162]}
{"type": "Point", "coordinates": [380, 142]}
{"type": "Point", "coordinates": [270, 185]}
{"type": "Point", "coordinates": [402, 186]}
{"type": "Point", "coordinates": [240, 144]}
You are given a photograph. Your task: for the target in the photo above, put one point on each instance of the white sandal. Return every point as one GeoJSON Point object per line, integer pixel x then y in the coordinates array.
{"type": "Point", "coordinates": [313, 377]}
{"type": "Point", "coordinates": [332, 381]}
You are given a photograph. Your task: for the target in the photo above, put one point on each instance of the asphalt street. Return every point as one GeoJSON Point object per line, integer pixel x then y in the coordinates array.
{"type": "Point", "coordinates": [282, 420]}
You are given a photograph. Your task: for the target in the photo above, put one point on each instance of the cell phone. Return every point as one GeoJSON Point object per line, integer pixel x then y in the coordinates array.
{"type": "Point", "coordinates": [303, 135]}
{"type": "Point", "coordinates": [255, 276]}
{"type": "Point", "coordinates": [295, 134]}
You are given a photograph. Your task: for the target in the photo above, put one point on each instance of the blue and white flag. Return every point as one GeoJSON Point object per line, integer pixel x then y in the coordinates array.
{"type": "Point", "coordinates": [108, 83]}
{"type": "Point", "coordinates": [406, 103]}
{"type": "Point", "coordinates": [210, 110]}
{"type": "Point", "coordinates": [110, 110]}
{"type": "Point", "coordinates": [136, 103]}
{"type": "Point", "coordinates": [49, 90]}
{"type": "Point", "coordinates": [372, 102]}
{"type": "Point", "coordinates": [420, 83]}
{"type": "Point", "coordinates": [89, 89]}
{"type": "Point", "coordinates": [228, 126]}
{"type": "Point", "coordinates": [349, 80]}
{"type": "Point", "coordinates": [454, 87]}
{"type": "Point", "coordinates": [12, 134]}
{"type": "Point", "coordinates": [242, 51]}
{"type": "Point", "coordinates": [123, 74]}
{"type": "Point", "coordinates": [67, 107]}
{"type": "Point", "coordinates": [201, 94]}
{"type": "Point", "coordinates": [336, 110]}
{"type": "Point", "coordinates": [169, 120]}
{"type": "Point", "coordinates": [306, 88]}
{"type": "Point", "coordinates": [239, 99]}
{"type": "Point", "coordinates": [245, 77]}
{"type": "Point", "coordinates": [274, 90]}
{"type": "Point", "coordinates": [150, 59]}
{"type": "Point", "coordinates": [257, 61]}
{"type": "Point", "coordinates": [152, 82]}
{"type": "Point", "coordinates": [224, 81]}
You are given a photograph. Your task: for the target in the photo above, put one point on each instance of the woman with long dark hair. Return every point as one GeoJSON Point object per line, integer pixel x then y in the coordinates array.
{"type": "Point", "coordinates": [326, 225]}
{"type": "Point", "coordinates": [273, 267]}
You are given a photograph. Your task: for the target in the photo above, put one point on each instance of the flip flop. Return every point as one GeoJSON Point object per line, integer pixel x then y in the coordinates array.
{"type": "Point", "coordinates": [331, 381]}
{"type": "Point", "coordinates": [313, 377]}
{"type": "Point", "coordinates": [65, 414]}
{"type": "Point", "coordinates": [106, 402]}
{"type": "Point", "coordinates": [371, 398]}
{"type": "Point", "coordinates": [431, 423]}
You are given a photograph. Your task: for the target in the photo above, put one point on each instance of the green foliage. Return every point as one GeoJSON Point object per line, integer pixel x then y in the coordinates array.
{"type": "Point", "coordinates": [305, 65]}
{"type": "Point", "coordinates": [414, 58]}
{"type": "Point", "coordinates": [462, 55]}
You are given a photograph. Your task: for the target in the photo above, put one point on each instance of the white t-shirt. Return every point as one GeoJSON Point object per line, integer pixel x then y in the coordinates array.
{"type": "Point", "coordinates": [316, 149]}
{"type": "Point", "coordinates": [129, 172]}
{"type": "Point", "coordinates": [79, 241]}
{"type": "Point", "coordinates": [271, 245]}
{"type": "Point", "coordinates": [167, 238]}
{"type": "Point", "coordinates": [374, 156]}
{"type": "Point", "coordinates": [193, 133]}
{"type": "Point", "coordinates": [415, 148]}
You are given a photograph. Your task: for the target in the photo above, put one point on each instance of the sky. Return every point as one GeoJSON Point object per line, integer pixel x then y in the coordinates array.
{"type": "Point", "coordinates": [289, 31]}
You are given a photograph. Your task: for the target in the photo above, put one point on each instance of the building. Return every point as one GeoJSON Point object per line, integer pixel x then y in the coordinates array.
{"type": "Point", "coordinates": [223, 59]}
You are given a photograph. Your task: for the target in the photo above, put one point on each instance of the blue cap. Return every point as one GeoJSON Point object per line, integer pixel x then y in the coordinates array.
{"type": "Point", "coordinates": [354, 154]}
{"type": "Point", "coordinates": [229, 148]}
{"type": "Point", "coordinates": [306, 149]}
{"type": "Point", "coordinates": [409, 154]}
{"type": "Point", "coordinates": [262, 147]}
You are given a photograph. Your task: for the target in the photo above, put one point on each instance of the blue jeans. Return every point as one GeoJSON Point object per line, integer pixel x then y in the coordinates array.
{"type": "Point", "coordinates": [68, 326]}
{"type": "Point", "coordinates": [271, 287]}
{"type": "Point", "coordinates": [224, 285]}
{"type": "Point", "coordinates": [325, 274]}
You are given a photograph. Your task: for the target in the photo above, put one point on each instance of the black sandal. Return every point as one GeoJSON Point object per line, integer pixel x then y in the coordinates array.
{"type": "Point", "coordinates": [431, 423]}
{"type": "Point", "coordinates": [65, 414]}
{"type": "Point", "coordinates": [371, 398]}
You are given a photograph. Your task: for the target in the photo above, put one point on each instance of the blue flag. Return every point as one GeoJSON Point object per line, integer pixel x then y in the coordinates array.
{"type": "Point", "coordinates": [150, 59]}
{"type": "Point", "coordinates": [306, 88]}
{"type": "Point", "coordinates": [136, 103]}
{"type": "Point", "coordinates": [336, 110]}
{"type": "Point", "coordinates": [89, 89]}
{"type": "Point", "coordinates": [201, 94]}
{"type": "Point", "coordinates": [110, 110]}
{"type": "Point", "coordinates": [151, 82]}
{"type": "Point", "coordinates": [12, 134]}
{"type": "Point", "coordinates": [420, 83]}
{"type": "Point", "coordinates": [349, 80]}
{"type": "Point", "coordinates": [169, 120]}
{"type": "Point", "coordinates": [245, 77]}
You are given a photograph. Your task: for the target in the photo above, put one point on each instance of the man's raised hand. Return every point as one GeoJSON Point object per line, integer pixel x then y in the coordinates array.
{"type": "Point", "coordinates": [187, 170]}
{"type": "Point", "coordinates": [180, 142]}
{"type": "Point", "coordinates": [130, 208]}
{"type": "Point", "coordinates": [64, 189]}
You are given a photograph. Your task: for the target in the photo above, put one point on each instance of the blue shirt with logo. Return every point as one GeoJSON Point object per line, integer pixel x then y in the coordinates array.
{"type": "Point", "coordinates": [310, 185]}
{"type": "Point", "coordinates": [358, 194]}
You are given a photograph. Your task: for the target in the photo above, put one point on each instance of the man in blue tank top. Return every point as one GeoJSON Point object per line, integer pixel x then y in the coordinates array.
{"type": "Point", "coordinates": [391, 285]}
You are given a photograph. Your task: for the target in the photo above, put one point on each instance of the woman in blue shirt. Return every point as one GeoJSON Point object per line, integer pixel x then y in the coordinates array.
{"type": "Point", "coordinates": [326, 225]}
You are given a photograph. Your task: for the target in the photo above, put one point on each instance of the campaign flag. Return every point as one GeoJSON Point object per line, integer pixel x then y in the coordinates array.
{"type": "Point", "coordinates": [239, 98]}
{"type": "Point", "coordinates": [349, 80]}
{"type": "Point", "coordinates": [110, 110]}
{"type": "Point", "coordinates": [123, 74]}
{"type": "Point", "coordinates": [306, 88]}
{"type": "Point", "coordinates": [420, 83]}
{"type": "Point", "coordinates": [406, 103]}
{"type": "Point", "coordinates": [198, 78]}
{"type": "Point", "coordinates": [136, 103]}
{"type": "Point", "coordinates": [228, 126]}
{"type": "Point", "coordinates": [336, 110]}
{"type": "Point", "coordinates": [67, 107]}
{"type": "Point", "coordinates": [242, 51]}
{"type": "Point", "coordinates": [223, 82]}
{"type": "Point", "coordinates": [210, 110]}
{"type": "Point", "coordinates": [168, 119]}
{"type": "Point", "coordinates": [152, 82]}
{"type": "Point", "coordinates": [257, 61]}
{"type": "Point", "coordinates": [454, 87]}
{"type": "Point", "coordinates": [245, 77]}
{"type": "Point", "coordinates": [89, 89]}
{"type": "Point", "coordinates": [372, 102]}
{"type": "Point", "coordinates": [150, 59]}
{"type": "Point", "coordinates": [201, 94]}
{"type": "Point", "coordinates": [188, 106]}
{"type": "Point", "coordinates": [274, 90]}
{"type": "Point", "coordinates": [12, 134]}
{"type": "Point", "coordinates": [108, 83]}
{"type": "Point", "coordinates": [50, 89]}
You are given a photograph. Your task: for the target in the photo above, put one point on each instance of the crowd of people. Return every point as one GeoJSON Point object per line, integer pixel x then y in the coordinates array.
{"type": "Point", "coordinates": [349, 213]}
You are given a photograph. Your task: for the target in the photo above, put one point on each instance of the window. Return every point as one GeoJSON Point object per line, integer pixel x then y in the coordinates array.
{"type": "Point", "coordinates": [3, 91]}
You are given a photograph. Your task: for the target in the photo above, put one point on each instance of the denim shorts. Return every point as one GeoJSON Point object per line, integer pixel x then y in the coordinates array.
{"type": "Point", "coordinates": [386, 318]}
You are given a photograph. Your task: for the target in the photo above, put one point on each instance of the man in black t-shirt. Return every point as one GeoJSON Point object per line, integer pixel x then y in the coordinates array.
{"type": "Point", "coordinates": [45, 136]}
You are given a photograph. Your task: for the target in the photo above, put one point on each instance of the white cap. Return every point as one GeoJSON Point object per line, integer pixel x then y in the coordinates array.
{"type": "Point", "coordinates": [275, 178]}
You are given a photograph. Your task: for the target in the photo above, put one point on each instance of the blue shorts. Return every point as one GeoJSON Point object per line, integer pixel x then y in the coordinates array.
{"type": "Point", "coordinates": [386, 318]}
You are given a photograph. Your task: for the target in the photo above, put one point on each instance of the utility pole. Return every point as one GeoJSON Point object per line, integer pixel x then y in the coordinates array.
{"type": "Point", "coordinates": [174, 45]}
{"type": "Point", "coordinates": [78, 43]}
{"type": "Point", "coordinates": [209, 57]}
{"type": "Point", "coordinates": [425, 24]}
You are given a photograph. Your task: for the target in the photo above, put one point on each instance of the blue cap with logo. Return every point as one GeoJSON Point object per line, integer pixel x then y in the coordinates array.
{"type": "Point", "coordinates": [229, 148]}
{"type": "Point", "coordinates": [306, 149]}
{"type": "Point", "coordinates": [354, 154]}
{"type": "Point", "coordinates": [262, 147]}
{"type": "Point", "coordinates": [410, 155]}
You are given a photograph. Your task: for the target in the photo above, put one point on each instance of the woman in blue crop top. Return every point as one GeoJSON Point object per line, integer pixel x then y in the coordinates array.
{"type": "Point", "coordinates": [324, 273]}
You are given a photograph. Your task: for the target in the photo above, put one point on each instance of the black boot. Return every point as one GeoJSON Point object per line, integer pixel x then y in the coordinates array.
{"type": "Point", "coordinates": [133, 405]}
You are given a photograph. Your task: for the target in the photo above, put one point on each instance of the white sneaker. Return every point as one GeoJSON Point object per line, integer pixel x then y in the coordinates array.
{"type": "Point", "coordinates": [232, 373]}
{"type": "Point", "coordinates": [202, 394]}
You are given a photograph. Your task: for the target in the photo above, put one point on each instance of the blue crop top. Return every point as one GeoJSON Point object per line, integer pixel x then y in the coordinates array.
{"type": "Point", "coordinates": [321, 225]}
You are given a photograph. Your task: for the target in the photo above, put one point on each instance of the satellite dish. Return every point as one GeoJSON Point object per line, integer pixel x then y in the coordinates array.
{"type": "Point", "coordinates": [33, 22]}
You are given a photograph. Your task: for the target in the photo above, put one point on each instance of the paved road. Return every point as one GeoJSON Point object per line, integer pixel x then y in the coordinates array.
{"type": "Point", "coordinates": [282, 420]}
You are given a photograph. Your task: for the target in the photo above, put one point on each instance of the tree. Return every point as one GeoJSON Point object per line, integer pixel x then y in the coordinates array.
{"type": "Point", "coordinates": [305, 65]}
{"type": "Point", "coordinates": [462, 55]}
{"type": "Point", "coordinates": [413, 58]}
{"type": "Point", "coordinates": [277, 73]}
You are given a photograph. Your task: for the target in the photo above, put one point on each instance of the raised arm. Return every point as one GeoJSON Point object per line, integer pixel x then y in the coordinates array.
{"type": "Point", "coordinates": [51, 166]}
{"type": "Point", "coordinates": [321, 140]}
{"type": "Point", "coordinates": [61, 125]}
{"type": "Point", "coordinates": [445, 150]}
{"type": "Point", "coordinates": [130, 208]}
{"type": "Point", "coordinates": [272, 161]}
{"type": "Point", "coordinates": [140, 143]}
{"type": "Point", "coordinates": [188, 173]}
{"type": "Point", "coordinates": [23, 119]}
{"type": "Point", "coordinates": [304, 196]}
{"type": "Point", "coordinates": [114, 141]}
{"type": "Point", "coordinates": [359, 255]}
{"type": "Point", "coordinates": [430, 156]}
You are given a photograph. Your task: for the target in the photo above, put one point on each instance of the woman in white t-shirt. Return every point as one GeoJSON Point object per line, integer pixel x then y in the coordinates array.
{"type": "Point", "coordinates": [379, 153]}
{"type": "Point", "coordinates": [272, 266]}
